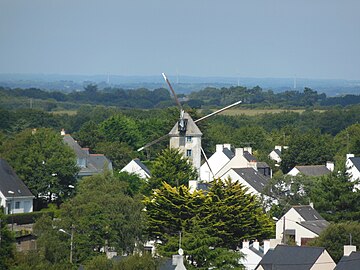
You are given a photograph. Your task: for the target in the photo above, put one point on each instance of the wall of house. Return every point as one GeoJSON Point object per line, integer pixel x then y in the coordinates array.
{"type": "Point", "coordinates": [324, 262]}
{"type": "Point", "coordinates": [132, 167]}
{"type": "Point", "coordinates": [17, 205]}
{"type": "Point", "coordinates": [291, 219]}
{"type": "Point", "coordinates": [238, 161]}
{"type": "Point", "coordinates": [216, 162]}
{"type": "Point", "coordinates": [274, 156]}
{"type": "Point", "coordinates": [250, 260]}
{"type": "Point", "coordinates": [293, 172]}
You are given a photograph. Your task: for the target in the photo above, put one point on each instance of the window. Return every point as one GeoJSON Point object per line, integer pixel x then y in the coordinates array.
{"type": "Point", "coordinates": [17, 205]}
{"type": "Point", "coordinates": [188, 138]}
{"type": "Point", "coordinates": [188, 153]}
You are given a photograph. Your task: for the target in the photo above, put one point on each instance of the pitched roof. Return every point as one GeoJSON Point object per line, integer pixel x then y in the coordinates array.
{"type": "Point", "coordinates": [307, 212]}
{"type": "Point", "coordinates": [141, 165]}
{"type": "Point", "coordinates": [313, 170]}
{"type": "Point", "coordinates": [356, 162]}
{"type": "Point", "coordinates": [249, 156]}
{"type": "Point", "coordinates": [262, 165]}
{"type": "Point", "coordinates": [291, 258]}
{"type": "Point", "coordinates": [253, 178]}
{"type": "Point", "coordinates": [191, 128]}
{"type": "Point", "coordinates": [316, 226]}
{"type": "Point", "coordinates": [9, 181]}
{"type": "Point", "coordinates": [228, 153]}
{"type": "Point", "coordinates": [349, 262]}
{"type": "Point", "coordinates": [277, 151]}
{"type": "Point", "coordinates": [69, 140]}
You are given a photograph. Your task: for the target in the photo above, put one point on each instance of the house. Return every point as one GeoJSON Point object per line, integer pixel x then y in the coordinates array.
{"type": "Point", "coordinates": [353, 167]}
{"type": "Point", "coordinates": [312, 170]}
{"type": "Point", "coordinates": [15, 197]}
{"type": "Point", "coordinates": [137, 167]}
{"type": "Point", "coordinates": [276, 153]}
{"type": "Point", "coordinates": [253, 253]}
{"type": "Point", "coordinates": [302, 223]}
{"type": "Point", "coordinates": [285, 257]}
{"type": "Point", "coordinates": [89, 164]}
{"type": "Point", "coordinates": [350, 260]}
{"type": "Point", "coordinates": [222, 155]}
{"type": "Point", "coordinates": [243, 158]}
{"type": "Point", "coordinates": [250, 178]}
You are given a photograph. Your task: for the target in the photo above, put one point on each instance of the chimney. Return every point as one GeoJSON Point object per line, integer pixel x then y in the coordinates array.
{"type": "Point", "coordinates": [249, 149]}
{"type": "Point", "coordinates": [274, 243]}
{"type": "Point", "coordinates": [245, 244]}
{"type": "Point", "coordinates": [62, 132]}
{"type": "Point", "coordinates": [227, 145]}
{"type": "Point", "coordinates": [239, 152]}
{"type": "Point", "coordinates": [348, 249]}
{"type": "Point", "coordinates": [256, 244]}
{"type": "Point", "coordinates": [349, 156]}
{"type": "Point", "coordinates": [219, 148]}
{"type": "Point", "coordinates": [330, 165]}
{"type": "Point", "coordinates": [311, 204]}
{"type": "Point", "coordinates": [278, 147]}
{"type": "Point", "coordinates": [266, 246]}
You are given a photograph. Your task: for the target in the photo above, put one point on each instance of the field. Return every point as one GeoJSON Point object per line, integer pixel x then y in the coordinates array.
{"type": "Point", "coordinates": [252, 112]}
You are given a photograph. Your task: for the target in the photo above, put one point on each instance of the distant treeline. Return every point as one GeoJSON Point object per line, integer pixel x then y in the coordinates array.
{"type": "Point", "coordinates": [257, 96]}
{"type": "Point", "coordinates": [160, 98]}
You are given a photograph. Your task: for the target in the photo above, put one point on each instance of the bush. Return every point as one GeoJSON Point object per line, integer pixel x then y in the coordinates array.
{"type": "Point", "coordinates": [26, 218]}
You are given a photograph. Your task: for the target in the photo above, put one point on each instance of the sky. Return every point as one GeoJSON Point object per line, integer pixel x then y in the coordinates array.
{"type": "Point", "coordinates": [235, 38]}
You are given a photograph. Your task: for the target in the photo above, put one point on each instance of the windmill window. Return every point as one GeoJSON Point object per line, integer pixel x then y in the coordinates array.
{"type": "Point", "coordinates": [189, 138]}
{"type": "Point", "coordinates": [188, 153]}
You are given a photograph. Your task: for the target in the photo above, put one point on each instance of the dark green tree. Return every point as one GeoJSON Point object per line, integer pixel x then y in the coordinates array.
{"type": "Point", "coordinates": [171, 167]}
{"type": "Point", "coordinates": [7, 244]}
{"type": "Point", "coordinates": [42, 161]}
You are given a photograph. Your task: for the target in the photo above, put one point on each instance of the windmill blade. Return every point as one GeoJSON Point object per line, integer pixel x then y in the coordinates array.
{"type": "Point", "coordinates": [218, 111]}
{"type": "Point", "coordinates": [172, 91]}
{"type": "Point", "coordinates": [207, 162]}
{"type": "Point", "coordinates": [153, 142]}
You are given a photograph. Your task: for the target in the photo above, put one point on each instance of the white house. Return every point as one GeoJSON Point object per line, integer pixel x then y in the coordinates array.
{"type": "Point", "coordinates": [137, 167]}
{"type": "Point", "coordinates": [296, 258]}
{"type": "Point", "coordinates": [243, 158]}
{"type": "Point", "coordinates": [350, 259]}
{"type": "Point", "coordinates": [249, 177]}
{"type": "Point", "coordinates": [302, 223]}
{"type": "Point", "coordinates": [276, 154]}
{"type": "Point", "coordinates": [15, 197]}
{"type": "Point", "coordinates": [312, 170]}
{"type": "Point", "coordinates": [353, 167]}
{"type": "Point", "coordinates": [222, 155]}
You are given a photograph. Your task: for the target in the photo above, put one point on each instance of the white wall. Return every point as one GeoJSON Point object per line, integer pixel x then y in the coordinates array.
{"type": "Point", "coordinates": [238, 161]}
{"type": "Point", "coordinates": [324, 262]}
{"type": "Point", "coordinates": [274, 156]}
{"type": "Point", "coordinates": [25, 204]}
{"type": "Point", "coordinates": [132, 167]}
{"type": "Point", "coordinates": [293, 172]}
{"type": "Point", "coordinates": [250, 260]}
{"type": "Point", "coordinates": [352, 170]}
{"type": "Point", "coordinates": [236, 177]}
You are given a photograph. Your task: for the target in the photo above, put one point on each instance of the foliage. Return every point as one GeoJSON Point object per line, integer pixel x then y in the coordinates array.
{"type": "Point", "coordinates": [335, 236]}
{"type": "Point", "coordinates": [171, 167]}
{"type": "Point", "coordinates": [7, 247]}
{"type": "Point", "coordinates": [133, 184]}
{"type": "Point", "coordinates": [103, 215]}
{"type": "Point", "coordinates": [335, 197]}
{"type": "Point", "coordinates": [42, 161]}
{"type": "Point", "coordinates": [310, 148]}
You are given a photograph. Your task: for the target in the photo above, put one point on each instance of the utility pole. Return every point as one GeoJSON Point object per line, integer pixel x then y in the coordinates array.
{"type": "Point", "coordinates": [284, 237]}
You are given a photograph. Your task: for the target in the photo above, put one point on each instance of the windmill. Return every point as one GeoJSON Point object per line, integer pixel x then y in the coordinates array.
{"type": "Point", "coordinates": [185, 135]}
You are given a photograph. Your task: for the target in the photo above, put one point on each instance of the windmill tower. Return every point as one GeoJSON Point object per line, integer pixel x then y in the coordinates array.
{"type": "Point", "coordinates": [186, 137]}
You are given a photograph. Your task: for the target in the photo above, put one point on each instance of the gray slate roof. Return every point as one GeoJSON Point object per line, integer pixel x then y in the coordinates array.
{"type": "Point", "coordinates": [278, 152]}
{"type": "Point", "coordinates": [316, 226]}
{"type": "Point", "coordinates": [191, 128]}
{"type": "Point", "coordinates": [349, 262]}
{"type": "Point", "coordinates": [313, 170]}
{"type": "Point", "coordinates": [307, 212]}
{"type": "Point", "coordinates": [142, 166]}
{"type": "Point", "coordinates": [291, 258]}
{"type": "Point", "coordinates": [253, 178]}
{"type": "Point", "coordinates": [356, 162]}
{"type": "Point", "coordinates": [228, 153]}
{"type": "Point", "coordinates": [80, 153]}
{"type": "Point", "coordinates": [249, 157]}
{"type": "Point", "coordinates": [10, 181]}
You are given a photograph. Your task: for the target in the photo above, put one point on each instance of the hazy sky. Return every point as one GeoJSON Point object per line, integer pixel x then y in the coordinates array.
{"type": "Point", "coordinates": [246, 38]}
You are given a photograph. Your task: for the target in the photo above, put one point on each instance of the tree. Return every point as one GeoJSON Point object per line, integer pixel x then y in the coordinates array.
{"type": "Point", "coordinates": [171, 167]}
{"type": "Point", "coordinates": [103, 216]}
{"type": "Point", "coordinates": [43, 162]}
{"type": "Point", "coordinates": [233, 215]}
{"type": "Point", "coordinates": [7, 247]}
{"type": "Point", "coordinates": [336, 235]}
{"type": "Point", "coordinates": [310, 148]}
